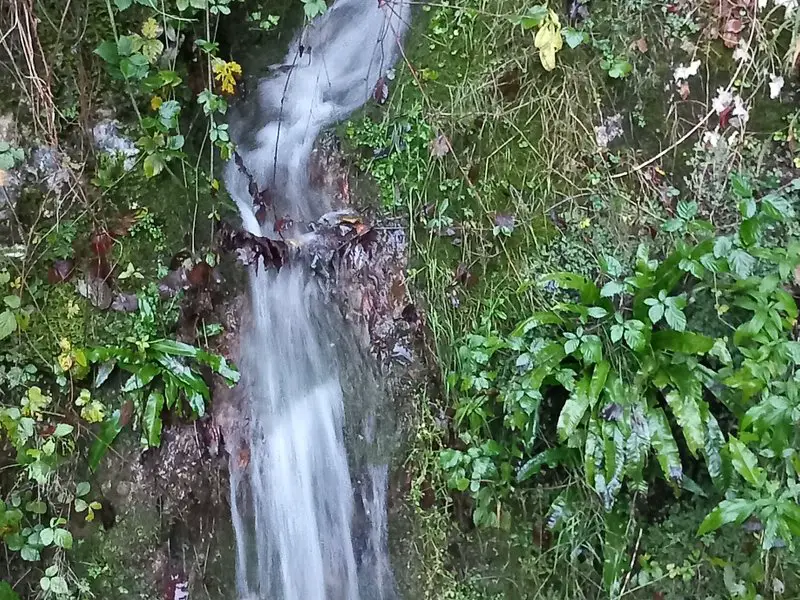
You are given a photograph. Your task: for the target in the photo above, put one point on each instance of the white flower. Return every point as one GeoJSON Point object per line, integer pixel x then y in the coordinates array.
{"type": "Point", "coordinates": [711, 138]}
{"type": "Point", "coordinates": [742, 52]}
{"type": "Point", "coordinates": [682, 73]}
{"type": "Point", "coordinates": [740, 114]}
{"type": "Point", "coordinates": [723, 100]}
{"type": "Point", "coordinates": [775, 85]}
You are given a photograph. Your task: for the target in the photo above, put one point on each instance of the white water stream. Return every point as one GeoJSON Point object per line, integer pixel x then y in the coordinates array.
{"type": "Point", "coordinates": [294, 505]}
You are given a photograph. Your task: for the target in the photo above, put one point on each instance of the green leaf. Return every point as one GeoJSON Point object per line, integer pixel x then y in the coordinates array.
{"type": "Point", "coordinates": [722, 247]}
{"type": "Point", "coordinates": [727, 511]}
{"type": "Point", "coordinates": [175, 348]}
{"type": "Point", "coordinates": [715, 440]}
{"type": "Point", "coordinates": [219, 365]}
{"type": "Point", "coordinates": [681, 341]}
{"type": "Point", "coordinates": [746, 463]}
{"type": "Point", "coordinates": [587, 290]}
{"type": "Point", "coordinates": [108, 52]}
{"type": "Point", "coordinates": [197, 403]}
{"type": "Point", "coordinates": [184, 375]}
{"type": "Point", "coordinates": [741, 263]}
{"type": "Point", "coordinates": [687, 414]}
{"type": "Point", "coordinates": [141, 377]}
{"type": "Point", "coordinates": [599, 378]}
{"type": "Point", "coordinates": [108, 433]}
{"type": "Point", "coordinates": [63, 430]}
{"type": "Point", "coordinates": [675, 318]}
{"type": "Point", "coordinates": [12, 301]}
{"type": "Point", "coordinates": [30, 554]}
{"type": "Point", "coordinates": [741, 186]}
{"type": "Point", "coordinates": [574, 408]}
{"type": "Point", "coordinates": [597, 312]}
{"type": "Point", "coordinates": [777, 207]}
{"type": "Point", "coordinates": [664, 445]}
{"type": "Point", "coordinates": [617, 331]}
{"type": "Point", "coordinates": [612, 288]}
{"type": "Point", "coordinates": [151, 419]}
{"type": "Point", "coordinates": [673, 225]}
{"type": "Point", "coordinates": [573, 37]}
{"type": "Point", "coordinates": [687, 210]}
{"type": "Point", "coordinates": [8, 324]}
{"type": "Point", "coordinates": [748, 231]}
{"type": "Point", "coordinates": [634, 335]}
{"type": "Point", "coordinates": [46, 537]}
{"type": "Point", "coordinates": [62, 538]}
{"type": "Point", "coordinates": [153, 165]}
{"type": "Point", "coordinates": [655, 312]}
{"type": "Point", "coordinates": [552, 457]}
{"type": "Point", "coordinates": [592, 349]}
{"type": "Point", "coordinates": [123, 4]}
{"type": "Point", "coordinates": [615, 551]}
{"type": "Point", "coordinates": [7, 592]}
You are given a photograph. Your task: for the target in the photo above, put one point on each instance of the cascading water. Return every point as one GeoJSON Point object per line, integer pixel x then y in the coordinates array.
{"type": "Point", "coordinates": [293, 503]}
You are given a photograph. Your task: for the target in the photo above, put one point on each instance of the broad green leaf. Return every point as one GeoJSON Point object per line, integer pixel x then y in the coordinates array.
{"type": "Point", "coordinates": [741, 186]}
{"type": "Point", "coordinates": [615, 551]}
{"type": "Point", "coordinates": [573, 37]}
{"type": "Point", "coordinates": [108, 433]}
{"type": "Point", "coordinates": [174, 348]}
{"type": "Point", "coordinates": [46, 536]}
{"type": "Point", "coordinates": [592, 349]}
{"type": "Point", "coordinates": [62, 538]}
{"type": "Point", "coordinates": [588, 291]}
{"type": "Point", "coordinates": [727, 511]}
{"type": "Point", "coordinates": [123, 4]}
{"type": "Point", "coordinates": [777, 207]}
{"type": "Point", "coordinates": [681, 341]}
{"type": "Point", "coordinates": [184, 375]}
{"type": "Point", "coordinates": [722, 247]}
{"type": "Point", "coordinates": [552, 457]}
{"type": "Point", "coordinates": [637, 445]}
{"type": "Point", "coordinates": [748, 231]}
{"type": "Point", "coordinates": [612, 288]}
{"type": "Point", "coordinates": [8, 324]}
{"type": "Point", "coordinates": [675, 318]}
{"type": "Point", "coordinates": [687, 414]}
{"type": "Point", "coordinates": [534, 17]}
{"type": "Point", "coordinates": [635, 335]}
{"type": "Point", "coordinates": [574, 408]}
{"type": "Point", "coordinates": [151, 419]}
{"type": "Point", "coordinates": [219, 365]}
{"type": "Point", "coordinates": [664, 445]}
{"type": "Point", "coordinates": [153, 165]}
{"type": "Point", "coordinates": [63, 430]}
{"type": "Point", "coordinates": [655, 312]}
{"type": "Point", "coordinates": [592, 451]}
{"type": "Point", "coordinates": [82, 488]}
{"type": "Point", "coordinates": [741, 263]}
{"type": "Point", "coordinates": [617, 332]}
{"type": "Point", "coordinates": [715, 441]}
{"type": "Point", "coordinates": [599, 377]}
{"type": "Point", "coordinates": [141, 377]}
{"type": "Point", "coordinates": [196, 402]}
{"type": "Point", "coordinates": [108, 52]}
{"type": "Point", "coordinates": [7, 592]}
{"type": "Point", "coordinates": [745, 463]}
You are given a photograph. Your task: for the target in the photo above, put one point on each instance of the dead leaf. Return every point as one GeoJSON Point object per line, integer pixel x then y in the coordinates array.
{"type": "Point", "coordinates": [381, 92]}
{"type": "Point", "coordinates": [549, 41]}
{"type": "Point", "coordinates": [440, 146]}
{"type": "Point", "coordinates": [125, 303]}
{"type": "Point", "coordinates": [124, 225]}
{"type": "Point", "coordinates": [96, 291]}
{"type": "Point", "coordinates": [684, 91]}
{"type": "Point", "coordinates": [641, 45]}
{"type": "Point", "coordinates": [200, 274]}
{"type": "Point", "coordinates": [505, 221]}
{"type": "Point", "coordinates": [60, 271]}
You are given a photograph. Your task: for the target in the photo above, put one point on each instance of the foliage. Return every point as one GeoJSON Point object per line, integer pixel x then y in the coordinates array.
{"type": "Point", "coordinates": [636, 363]}
{"type": "Point", "coordinates": [10, 156]}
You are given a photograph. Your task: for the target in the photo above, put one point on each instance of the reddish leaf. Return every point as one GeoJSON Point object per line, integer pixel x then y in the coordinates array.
{"type": "Point", "coordinates": [200, 274]}
{"type": "Point", "coordinates": [101, 242]}
{"type": "Point", "coordinates": [124, 225]}
{"type": "Point", "coordinates": [725, 116]}
{"type": "Point", "coordinates": [126, 413]}
{"type": "Point", "coordinates": [60, 271]}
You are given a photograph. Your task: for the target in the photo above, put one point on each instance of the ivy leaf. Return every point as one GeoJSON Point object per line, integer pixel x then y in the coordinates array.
{"type": "Point", "coordinates": [746, 463]}
{"type": "Point", "coordinates": [727, 511]}
{"type": "Point", "coordinates": [741, 263]}
{"type": "Point", "coordinates": [573, 37]}
{"type": "Point", "coordinates": [675, 318]}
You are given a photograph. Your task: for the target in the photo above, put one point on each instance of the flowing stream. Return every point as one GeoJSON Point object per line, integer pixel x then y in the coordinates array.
{"type": "Point", "coordinates": [304, 530]}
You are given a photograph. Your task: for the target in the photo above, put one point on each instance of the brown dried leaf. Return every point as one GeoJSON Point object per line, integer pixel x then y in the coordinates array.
{"type": "Point", "coordinates": [96, 291]}
{"type": "Point", "coordinates": [641, 45]}
{"type": "Point", "coordinates": [684, 91]}
{"type": "Point", "coordinates": [440, 146]}
{"type": "Point", "coordinates": [60, 271]}
{"type": "Point", "coordinates": [381, 92]}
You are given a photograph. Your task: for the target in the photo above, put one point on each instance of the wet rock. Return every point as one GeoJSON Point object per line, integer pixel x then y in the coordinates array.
{"type": "Point", "coordinates": [107, 138]}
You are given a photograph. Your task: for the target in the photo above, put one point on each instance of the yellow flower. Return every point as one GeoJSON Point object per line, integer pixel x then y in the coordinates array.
{"type": "Point", "coordinates": [65, 362]}
{"type": "Point", "coordinates": [65, 345]}
{"type": "Point", "coordinates": [156, 102]}
{"type": "Point", "coordinates": [585, 223]}
{"type": "Point", "coordinates": [225, 73]}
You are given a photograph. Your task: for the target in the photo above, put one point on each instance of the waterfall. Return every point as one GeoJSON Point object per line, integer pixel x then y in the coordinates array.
{"type": "Point", "coordinates": [293, 501]}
